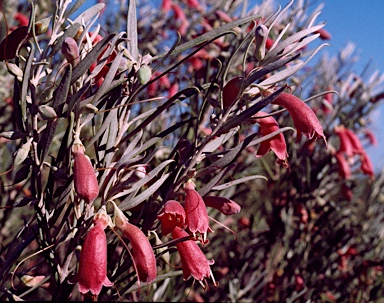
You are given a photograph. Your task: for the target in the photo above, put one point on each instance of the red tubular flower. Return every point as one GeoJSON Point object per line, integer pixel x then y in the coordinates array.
{"type": "Point", "coordinates": [304, 118]}
{"type": "Point", "coordinates": [166, 5]}
{"type": "Point", "coordinates": [193, 261]}
{"type": "Point", "coordinates": [143, 254]}
{"type": "Point", "coordinates": [22, 19]}
{"type": "Point", "coordinates": [231, 91]}
{"type": "Point", "coordinates": [355, 142]}
{"type": "Point", "coordinates": [172, 215]}
{"type": "Point", "coordinates": [371, 137]}
{"type": "Point", "coordinates": [225, 205]}
{"type": "Point", "coordinates": [366, 165]}
{"type": "Point", "coordinates": [86, 185]}
{"type": "Point", "coordinates": [344, 168]}
{"type": "Point", "coordinates": [92, 274]}
{"type": "Point", "coordinates": [277, 143]}
{"type": "Point", "coordinates": [345, 142]}
{"type": "Point", "coordinates": [196, 212]}
{"type": "Point", "coordinates": [269, 43]}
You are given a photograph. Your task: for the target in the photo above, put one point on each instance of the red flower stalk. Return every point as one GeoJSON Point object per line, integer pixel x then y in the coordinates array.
{"type": "Point", "coordinates": [304, 118]}
{"type": "Point", "coordinates": [224, 205]}
{"type": "Point", "coordinates": [86, 185]}
{"type": "Point", "coordinates": [92, 274]}
{"type": "Point", "coordinates": [231, 91]}
{"type": "Point", "coordinates": [172, 215]}
{"type": "Point", "coordinates": [277, 143]}
{"type": "Point", "coordinates": [196, 212]}
{"type": "Point", "coordinates": [143, 254]}
{"type": "Point", "coordinates": [193, 261]}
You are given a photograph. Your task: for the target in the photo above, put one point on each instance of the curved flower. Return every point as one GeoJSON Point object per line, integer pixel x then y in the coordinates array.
{"type": "Point", "coordinates": [344, 168]}
{"type": "Point", "coordinates": [366, 165]}
{"type": "Point", "coordinates": [196, 212]}
{"type": "Point", "coordinates": [231, 91]}
{"type": "Point", "coordinates": [143, 254]}
{"type": "Point", "coordinates": [193, 261]}
{"type": "Point", "coordinates": [277, 143]}
{"type": "Point", "coordinates": [92, 274]}
{"type": "Point", "coordinates": [355, 142]}
{"type": "Point", "coordinates": [345, 142]}
{"type": "Point", "coordinates": [225, 205]}
{"type": "Point", "coordinates": [172, 215]}
{"type": "Point", "coordinates": [304, 118]}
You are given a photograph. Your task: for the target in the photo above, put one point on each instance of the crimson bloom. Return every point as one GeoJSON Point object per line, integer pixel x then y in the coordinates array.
{"type": "Point", "coordinates": [92, 274]}
{"type": "Point", "coordinates": [344, 168]}
{"type": "Point", "coordinates": [193, 261]}
{"type": "Point", "coordinates": [86, 185]}
{"type": "Point", "coordinates": [345, 142]}
{"type": "Point", "coordinates": [224, 205]}
{"type": "Point", "coordinates": [366, 164]}
{"type": "Point", "coordinates": [172, 215]}
{"type": "Point", "coordinates": [143, 254]}
{"type": "Point", "coordinates": [277, 143]}
{"type": "Point", "coordinates": [196, 212]}
{"type": "Point", "coordinates": [304, 118]}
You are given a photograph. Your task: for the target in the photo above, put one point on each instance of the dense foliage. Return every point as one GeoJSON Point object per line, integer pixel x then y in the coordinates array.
{"type": "Point", "coordinates": [149, 146]}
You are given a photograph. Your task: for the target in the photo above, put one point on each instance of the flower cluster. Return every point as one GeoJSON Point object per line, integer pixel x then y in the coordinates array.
{"type": "Point", "coordinates": [351, 149]}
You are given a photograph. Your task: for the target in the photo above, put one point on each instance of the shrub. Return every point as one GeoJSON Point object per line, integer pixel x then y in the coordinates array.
{"type": "Point", "coordinates": [139, 101]}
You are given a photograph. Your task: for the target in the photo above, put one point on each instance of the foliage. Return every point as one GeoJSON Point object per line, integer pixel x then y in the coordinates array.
{"type": "Point", "coordinates": [144, 97]}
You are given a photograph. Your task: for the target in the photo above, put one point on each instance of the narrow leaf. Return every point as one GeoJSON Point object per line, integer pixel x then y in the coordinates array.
{"type": "Point", "coordinates": [130, 202]}
{"type": "Point", "coordinates": [238, 181]}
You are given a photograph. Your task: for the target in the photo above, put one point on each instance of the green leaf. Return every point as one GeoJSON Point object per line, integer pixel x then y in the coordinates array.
{"type": "Point", "coordinates": [89, 13]}
{"type": "Point", "coordinates": [130, 202]}
{"type": "Point", "coordinates": [238, 181]}
{"type": "Point", "coordinates": [132, 30]}
{"type": "Point", "coordinates": [90, 58]}
{"type": "Point", "coordinates": [209, 35]}
{"type": "Point", "coordinates": [61, 93]}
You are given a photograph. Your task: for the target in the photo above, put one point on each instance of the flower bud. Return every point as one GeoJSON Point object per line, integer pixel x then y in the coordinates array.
{"type": "Point", "coordinates": [225, 205]}
{"type": "Point", "coordinates": [261, 35]}
{"type": "Point", "coordinates": [42, 26]}
{"type": "Point", "coordinates": [15, 70]}
{"type": "Point", "coordinates": [144, 74]}
{"type": "Point", "coordinates": [22, 153]}
{"type": "Point", "coordinates": [47, 112]}
{"type": "Point", "coordinates": [70, 51]}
